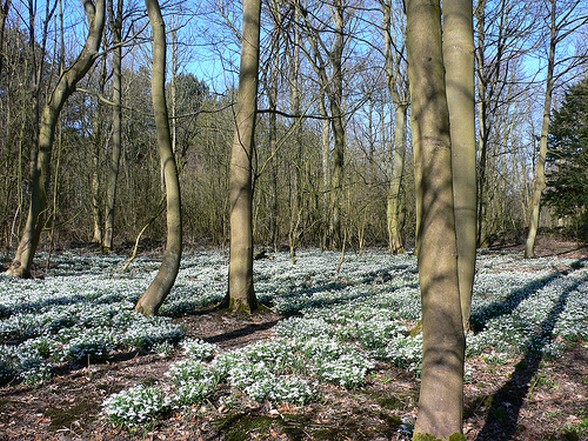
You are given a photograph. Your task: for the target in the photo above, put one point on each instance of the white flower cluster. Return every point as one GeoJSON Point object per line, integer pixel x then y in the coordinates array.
{"type": "Point", "coordinates": [198, 349]}
{"type": "Point", "coordinates": [282, 389]}
{"type": "Point", "coordinates": [77, 314]}
{"type": "Point", "coordinates": [193, 381]}
{"type": "Point", "coordinates": [528, 307]}
{"type": "Point", "coordinates": [406, 352]}
{"type": "Point", "coordinates": [137, 405]}
{"type": "Point", "coordinates": [348, 370]}
{"type": "Point", "coordinates": [340, 323]}
{"type": "Point", "coordinates": [267, 371]}
{"type": "Point", "coordinates": [149, 331]}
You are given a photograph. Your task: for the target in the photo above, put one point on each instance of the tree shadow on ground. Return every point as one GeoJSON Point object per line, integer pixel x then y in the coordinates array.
{"type": "Point", "coordinates": [500, 308]}
{"type": "Point", "coordinates": [306, 297]}
{"type": "Point", "coordinates": [504, 412]}
{"type": "Point", "coordinates": [242, 332]}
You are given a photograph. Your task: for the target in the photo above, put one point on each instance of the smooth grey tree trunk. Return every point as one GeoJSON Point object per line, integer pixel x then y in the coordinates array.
{"type": "Point", "coordinates": [458, 54]}
{"type": "Point", "coordinates": [441, 393]}
{"type": "Point", "coordinates": [156, 293]}
{"type": "Point", "coordinates": [398, 92]}
{"type": "Point", "coordinates": [241, 294]}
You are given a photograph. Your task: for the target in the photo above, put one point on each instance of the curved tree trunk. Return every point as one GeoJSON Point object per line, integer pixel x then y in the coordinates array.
{"type": "Point", "coordinates": [23, 260]}
{"type": "Point", "coordinates": [441, 393]}
{"type": "Point", "coordinates": [458, 54]}
{"type": "Point", "coordinates": [241, 295]}
{"type": "Point", "coordinates": [156, 293]}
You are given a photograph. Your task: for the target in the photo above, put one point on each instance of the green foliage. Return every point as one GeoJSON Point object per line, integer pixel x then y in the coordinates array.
{"type": "Point", "coordinates": [567, 160]}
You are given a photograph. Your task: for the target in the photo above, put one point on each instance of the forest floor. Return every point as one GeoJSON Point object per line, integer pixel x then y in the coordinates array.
{"type": "Point", "coordinates": [526, 399]}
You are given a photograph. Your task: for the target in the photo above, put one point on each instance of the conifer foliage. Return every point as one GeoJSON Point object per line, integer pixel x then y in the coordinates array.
{"type": "Point", "coordinates": [568, 160]}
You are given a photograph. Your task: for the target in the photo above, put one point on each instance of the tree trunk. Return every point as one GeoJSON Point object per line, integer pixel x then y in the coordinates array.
{"type": "Point", "coordinates": [326, 171]}
{"type": "Point", "coordinates": [156, 293]}
{"type": "Point", "coordinates": [539, 184]}
{"type": "Point", "coordinates": [114, 165]}
{"type": "Point", "coordinates": [441, 393]}
{"type": "Point", "coordinates": [97, 200]}
{"type": "Point", "coordinates": [458, 54]}
{"type": "Point", "coordinates": [4, 8]}
{"type": "Point", "coordinates": [296, 177]}
{"type": "Point", "coordinates": [395, 244]}
{"type": "Point", "coordinates": [22, 262]}
{"type": "Point", "coordinates": [272, 96]}
{"type": "Point", "coordinates": [398, 93]}
{"type": "Point", "coordinates": [241, 295]}
{"type": "Point", "coordinates": [484, 127]}
{"type": "Point", "coordinates": [338, 125]}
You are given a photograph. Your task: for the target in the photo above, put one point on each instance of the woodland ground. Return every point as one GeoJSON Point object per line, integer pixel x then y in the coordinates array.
{"type": "Point", "coordinates": [522, 398]}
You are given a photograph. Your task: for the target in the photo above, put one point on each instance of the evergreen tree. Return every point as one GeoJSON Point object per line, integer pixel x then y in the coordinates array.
{"type": "Point", "coordinates": [568, 160]}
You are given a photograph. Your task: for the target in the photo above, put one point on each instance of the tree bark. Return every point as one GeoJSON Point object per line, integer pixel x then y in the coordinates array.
{"type": "Point", "coordinates": [154, 296]}
{"type": "Point", "coordinates": [441, 393]}
{"type": "Point", "coordinates": [4, 8]}
{"type": "Point", "coordinates": [395, 244]}
{"type": "Point", "coordinates": [539, 181]}
{"type": "Point", "coordinates": [241, 294]}
{"type": "Point", "coordinates": [40, 180]}
{"type": "Point", "coordinates": [458, 54]}
{"type": "Point", "coordinates": [338, 125]}
{"type": "Point", "coordinates": [398, 93]}
{"type": "Point", "coordinates": [114, 165]}
{"type": "Point", "coordinates": [98, 138]}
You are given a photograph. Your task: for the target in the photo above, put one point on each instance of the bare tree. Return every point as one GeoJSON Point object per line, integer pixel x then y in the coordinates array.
{"type": "Point", "coordinates": [398, 88]}
{"type": "Point", "coordinates": [241, 293]}
{"type": "Point", "coordinates": [156, 293]}
{"type": "Point", "coordinates": [321, 57]}
{"type": "Point", "coordinates": [441, 393]}
{"type": "Point", "coordinates": [22, 262]}
{"type": "Point", "coordinates": [504, 31]}
{"type": "Point", "coordinates": [4, 8]}
{"type": "Point", "coordinates": [458, 54]}
{"type": "Point", "coordinates": [562, 22]}
{"type": "Point", "coordinates": [116, 23]}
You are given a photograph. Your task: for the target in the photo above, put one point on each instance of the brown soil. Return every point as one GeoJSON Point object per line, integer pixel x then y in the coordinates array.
{"type": "Point", "coordinates": [551, 246]}
{"type": "Point", "coordinates": [524, 400]}
{"type": "Point", "coordinates": [501, 403]}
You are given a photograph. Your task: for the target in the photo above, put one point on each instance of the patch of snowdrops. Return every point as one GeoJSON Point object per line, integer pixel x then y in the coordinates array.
{"type": "Point", "coordinates": [137, 405]}
{"type": "Point", "coordinates": [339, 325]}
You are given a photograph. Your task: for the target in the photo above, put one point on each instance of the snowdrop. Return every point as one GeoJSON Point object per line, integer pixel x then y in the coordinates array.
{"type": "Point", "coordinates": [137, 405]}
{"type": "Point", "coordinates": [343, 321]}
{"type": "Point", "coordinates": [198, 349]}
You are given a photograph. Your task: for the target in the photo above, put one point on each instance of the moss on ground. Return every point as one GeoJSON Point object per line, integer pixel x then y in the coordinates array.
{"type": "Point", "coordinates": [83, 411]}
